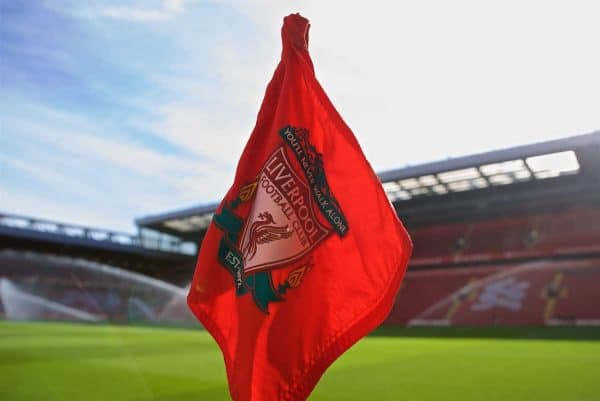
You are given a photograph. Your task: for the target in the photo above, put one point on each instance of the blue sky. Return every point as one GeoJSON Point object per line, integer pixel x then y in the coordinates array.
{"type": "Point", "coordinates": [112, 110]}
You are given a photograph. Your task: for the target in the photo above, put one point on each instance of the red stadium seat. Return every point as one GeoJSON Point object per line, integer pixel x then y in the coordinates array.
{"type": "Point", "coordinates": [509, 238]}
{"type": "Point", "coordinates": [543, 292]}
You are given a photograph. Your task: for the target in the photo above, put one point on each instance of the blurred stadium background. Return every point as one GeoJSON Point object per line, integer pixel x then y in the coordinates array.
{"type": "Point", "coordinates": [504, 238]}
{"type": "Point", "coordinates": [510, 237]}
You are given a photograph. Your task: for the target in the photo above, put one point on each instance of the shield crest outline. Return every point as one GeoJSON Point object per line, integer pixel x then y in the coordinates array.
{"type": "Point", "coordinates": [282, 226]}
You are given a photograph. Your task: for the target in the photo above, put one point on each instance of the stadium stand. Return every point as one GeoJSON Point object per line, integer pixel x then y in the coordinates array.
{"type": "Point", "coordinates": [37, 286]}
{"type": "Point", "coordinates": [162, 256]}
{"type": "Point", "coordinates": [509, 237]}
{"type": "Point", "coordinates": [479, 223]}
{"type": "Point", "coordinates": [542, 292]}
{"type": "Point", "coordinates": [526, 236]}
{"type": "Point", "coordinates": [423, 288]}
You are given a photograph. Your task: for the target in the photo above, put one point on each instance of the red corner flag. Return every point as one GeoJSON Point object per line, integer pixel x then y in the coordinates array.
{"type": "Point", "coordinates": [305, 254]}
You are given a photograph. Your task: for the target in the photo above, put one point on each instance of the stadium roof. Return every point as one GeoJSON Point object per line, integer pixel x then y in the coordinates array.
{"type": "Point", "coordinates": [147, 255]}
{"type": "Point", "coordinates": [530, 177]}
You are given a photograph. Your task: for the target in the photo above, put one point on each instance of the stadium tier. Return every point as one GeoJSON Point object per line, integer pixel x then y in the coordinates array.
{"type": "Point", "coordinates": [147, 255]}
{"type": "Point", "coordinates": [562, 233]}
{"type": "Point", "coordinates": [531, 213]}
{"type": "Point", "coordinates": [542, 292]}
{"type": "Point", "coordinates": [36, 286]}
{"type": "Point", "coordinates": [510, 237]}
{"type": "Point", "coordinates": [549, 176]}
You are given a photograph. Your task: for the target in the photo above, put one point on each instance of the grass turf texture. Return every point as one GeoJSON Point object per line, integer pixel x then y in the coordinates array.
{"type": "Point", "coordinates": [43, 361]}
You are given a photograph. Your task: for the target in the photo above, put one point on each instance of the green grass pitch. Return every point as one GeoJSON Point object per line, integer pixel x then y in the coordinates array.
{"type": "Point", "coordinates": [44, 361]}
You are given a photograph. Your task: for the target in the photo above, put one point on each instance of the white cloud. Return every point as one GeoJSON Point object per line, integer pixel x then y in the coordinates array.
{"type": "Point", "coordinates": [415, 81]}
{"type": "Point", "coordinates": [28, 203]}
{"type": "Point", "coordinates": [424, 81]}
{"type": "Point", "coordinates": [216, 137]}
{"type": "Point", "coordinates": [89, 171]}
{"type": "Point", "coordinates": [40, 171]}
{"type": "Point", "coordinates": [131, 11]}
{"type": "Point", "coordinates": [174, 6]}
{"type": "Point", "coordinates": [218, 95]}
{"type": "Point", "coordinates": [414, 85]}
{"type": "Point", "coordinates": [134, 14]}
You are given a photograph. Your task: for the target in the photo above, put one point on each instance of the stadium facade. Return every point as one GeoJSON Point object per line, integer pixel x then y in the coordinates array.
{"type": "Point", "coordinates": [508, 237]}
{"type": "Point", "coordinates": [501, 238]}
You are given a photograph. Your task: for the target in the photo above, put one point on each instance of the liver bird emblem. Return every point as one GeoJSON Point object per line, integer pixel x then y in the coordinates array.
{"type": "Point", "coordinates": [264, 231]}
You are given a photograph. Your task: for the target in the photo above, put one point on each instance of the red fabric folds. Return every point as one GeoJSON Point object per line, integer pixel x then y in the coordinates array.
{"type": "Point", "coordinates": [305, 253]}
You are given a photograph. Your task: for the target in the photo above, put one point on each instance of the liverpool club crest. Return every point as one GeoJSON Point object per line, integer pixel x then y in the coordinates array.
{"type": "Point", "coordinates": [281, 227]}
